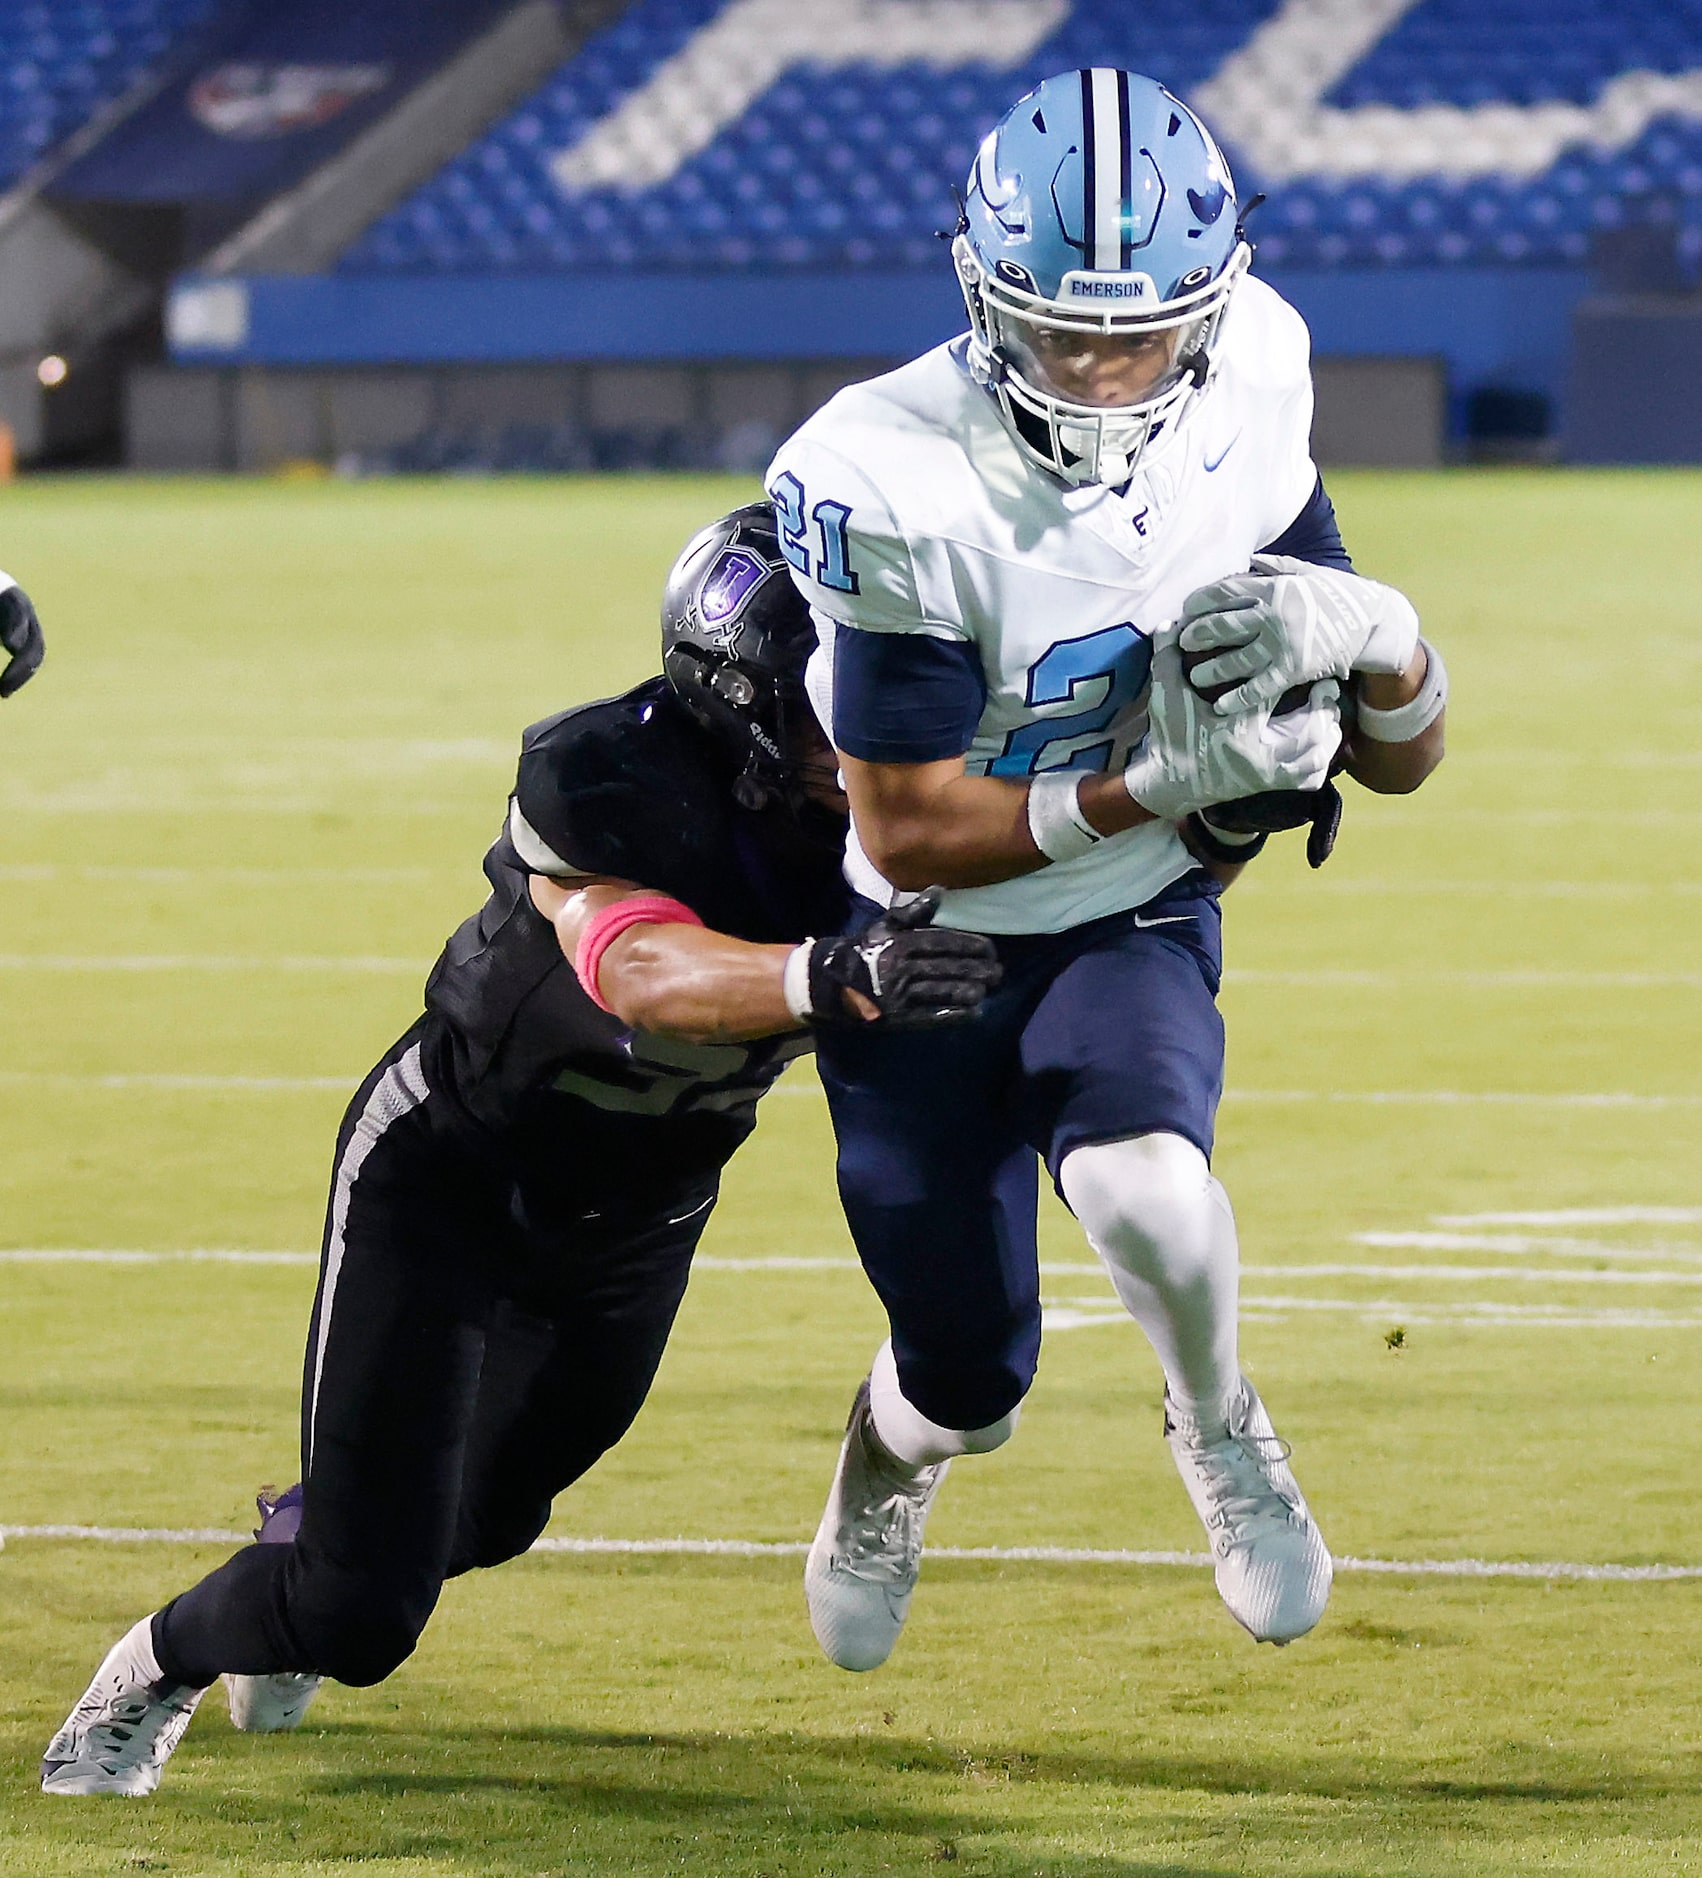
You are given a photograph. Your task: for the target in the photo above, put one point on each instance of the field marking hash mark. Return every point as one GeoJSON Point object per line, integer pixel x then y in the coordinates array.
{"type": "Point", "coordinates": [996, 1554]}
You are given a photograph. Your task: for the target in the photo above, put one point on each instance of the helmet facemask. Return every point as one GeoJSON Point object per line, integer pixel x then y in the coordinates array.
{"type": "Point", "coordinates": [1021, 349]}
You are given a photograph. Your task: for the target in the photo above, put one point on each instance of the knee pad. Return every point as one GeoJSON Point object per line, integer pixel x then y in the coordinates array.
{"type": "Point", "coordinates": [915, 1437]}
{"type": "Point", "coordinates": [1149, 1205]}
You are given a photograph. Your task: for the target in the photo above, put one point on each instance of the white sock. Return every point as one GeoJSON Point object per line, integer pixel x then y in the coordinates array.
{"type": "Point", "coordinates": [1165, 1231]}
{"type": "Point", "coordinates": [908, 1435]}
{"type": "Point", "coordinates": [141, 1643]}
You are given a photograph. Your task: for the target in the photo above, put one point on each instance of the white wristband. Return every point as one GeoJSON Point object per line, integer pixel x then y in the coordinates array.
{"type": "Point", "coordinates": [1230, 837]}
{"type": "Point", "coordinates": [1061, 831]}
{"type": "Point", "coordinates": [7, 583]}
{"type": "Point", "coordinates": [1413, 718]}
{"type": "Point", "coordinates": [795, 982]}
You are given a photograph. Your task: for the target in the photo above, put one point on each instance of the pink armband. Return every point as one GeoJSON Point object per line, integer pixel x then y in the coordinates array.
{"type": "Point", "coordinates": [601, 930]}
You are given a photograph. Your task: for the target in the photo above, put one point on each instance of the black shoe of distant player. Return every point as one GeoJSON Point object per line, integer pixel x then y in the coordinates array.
{"type": "Point", "coordinates": [120, 1736]}
{"type": "Point", "coordinates": [270, 1705]}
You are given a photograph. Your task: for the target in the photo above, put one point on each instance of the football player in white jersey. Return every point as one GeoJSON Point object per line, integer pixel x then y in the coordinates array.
{"type": "Point", "coordinates": [1010, 547]}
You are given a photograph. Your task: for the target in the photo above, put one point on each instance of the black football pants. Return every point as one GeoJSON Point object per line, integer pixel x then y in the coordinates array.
{"type": "Point", "coordinates": [465, 1364]}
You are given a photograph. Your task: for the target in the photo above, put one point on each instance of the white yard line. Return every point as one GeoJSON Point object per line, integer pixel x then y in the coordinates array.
{"type": "Point", "coordinates": [996, 1554]}
{"type": "Point", "coordinates": [1475, 1274]}
{"type": "Point", "coordinates": [1524, 1274]}
{"type": "Point", "coordinates": [1064, 1314]}
{"type": "Point", "coordinates": [802, 1088]}
{"type": "Point", "coordinates": [1582, 1216]}
{"type": "Point", "coordinates": [1479, 1312]}
{"type": "Point", "coordinates": [1520, 1244]}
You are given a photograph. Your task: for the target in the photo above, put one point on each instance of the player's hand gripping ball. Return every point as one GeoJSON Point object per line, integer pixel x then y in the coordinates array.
{"type": "Point", "coordinates": [1191, 757]}
{"type": "Point", "coordinates": [1286, 622]}
{"type": "Point", "coordinates": [909, 971]}
{"type": "Point", "coordinates": [1271, 811]}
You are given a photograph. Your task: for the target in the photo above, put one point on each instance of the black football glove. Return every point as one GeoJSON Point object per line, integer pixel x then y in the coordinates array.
{"type": "Point", "coordinates": [914, 972]}
{"type": "Point", "coordinates": [20, 635]}
{"type": "Point", "coordinates": [1318, 811]}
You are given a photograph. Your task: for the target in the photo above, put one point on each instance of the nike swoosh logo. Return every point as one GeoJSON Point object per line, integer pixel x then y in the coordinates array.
{"type": "Point", "coordinates": [1166, 919]}
{"type": "Point", "coordinates": [1211, 462]}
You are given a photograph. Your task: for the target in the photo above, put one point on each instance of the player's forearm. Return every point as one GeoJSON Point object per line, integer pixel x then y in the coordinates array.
{"type": "Point", "coordinates": [1394, 769]}
{"type": "Point", "coordinates": [702, 986]}
{"type": "Point", "coordinates": [1225, 873]}
{"type": "Point", "coordinates": [679, 980]}
{"type": "Point", "coordinates": [929, 825]}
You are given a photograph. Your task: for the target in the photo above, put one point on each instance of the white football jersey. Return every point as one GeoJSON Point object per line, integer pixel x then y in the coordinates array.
{"type": "Point", "coordinates": [905, 508]}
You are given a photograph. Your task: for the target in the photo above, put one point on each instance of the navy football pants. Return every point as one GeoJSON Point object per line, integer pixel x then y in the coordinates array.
{"type": "Point", "coordinates": [1107, 1031]}
{"type": "Point", "coordinates": [465, 1364]}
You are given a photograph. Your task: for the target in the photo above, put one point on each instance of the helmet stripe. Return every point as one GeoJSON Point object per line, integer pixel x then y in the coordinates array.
{"type": "Point", "coordinates": [1125, 230]}
{"type": "Point", "coordinates": [1110, 155]}
{"type": "Point", "coordinates": [1089, 167]}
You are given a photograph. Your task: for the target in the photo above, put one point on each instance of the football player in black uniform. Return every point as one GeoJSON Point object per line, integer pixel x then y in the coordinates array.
{"type": "Point", "coordinates": [20, 637]}
{"type": "Point", "coordinates": [519, 1185]}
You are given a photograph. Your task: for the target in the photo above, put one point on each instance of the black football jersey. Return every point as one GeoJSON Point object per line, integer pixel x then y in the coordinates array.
{"type": "Point", "coordinates": [629, 787]}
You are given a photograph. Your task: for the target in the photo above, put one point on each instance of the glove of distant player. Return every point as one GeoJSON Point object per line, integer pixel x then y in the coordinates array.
{"type": "Point", "coordinates": [913, 972]}
{"type": "Point", "coordinates": [1289, 622]}
{"type": "Point", "coordinates": [1192, 757]}
{"type": "Point", "coordinates": [20, 635]}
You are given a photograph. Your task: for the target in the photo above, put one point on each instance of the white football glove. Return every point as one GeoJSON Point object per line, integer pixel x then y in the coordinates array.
{"type": "Point", "coordinates": [1289, 622]}
{"type": "Point", "coordinates": [1192, 758]}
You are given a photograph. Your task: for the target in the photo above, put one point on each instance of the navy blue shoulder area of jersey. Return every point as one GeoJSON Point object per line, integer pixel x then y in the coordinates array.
{"type": "Point", "coordinates": [626, 787]}
{"type": "Point", "coordinates": [634, 788]}
{"type": "Point", "coordinates": [1314, 534]}
{"type": "Point", "coordinates": [905, 697]}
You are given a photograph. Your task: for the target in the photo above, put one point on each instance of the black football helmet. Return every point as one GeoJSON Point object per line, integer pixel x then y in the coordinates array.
{"type": "Point", "coordinates": [736, 635]}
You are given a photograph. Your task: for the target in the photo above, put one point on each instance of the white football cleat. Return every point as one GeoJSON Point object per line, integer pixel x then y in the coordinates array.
{"type": "Point", "coordinates": [1273, 1568]}
{"type": "Point", "coordinates": [120, 1736]}
{"type": "Point", "coordinates": [270, 1705]}
{"type": "Point", "coordinates": [273, 1704]}
{"type": "Point", "coordinates": [862, 1568]}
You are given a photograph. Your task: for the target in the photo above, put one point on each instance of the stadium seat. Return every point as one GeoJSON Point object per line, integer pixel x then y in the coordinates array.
{"type": "Point", "coordinates": [854, 167]}
{"type": "Point", "coordinates": [60, 62]}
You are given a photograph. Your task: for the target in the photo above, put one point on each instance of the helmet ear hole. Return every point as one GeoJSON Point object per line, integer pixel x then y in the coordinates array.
{"type": "Point", "coordinates": [751, 792]}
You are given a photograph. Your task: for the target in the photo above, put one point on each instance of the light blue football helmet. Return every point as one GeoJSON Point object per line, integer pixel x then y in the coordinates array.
{"type": "Point", "coordinates": [1099, 205]}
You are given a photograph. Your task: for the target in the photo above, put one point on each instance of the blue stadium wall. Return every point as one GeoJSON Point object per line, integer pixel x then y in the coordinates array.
{"type": "Point", "coordinates": [1441, 177]}
{"type": "Point", "coordinates": [1501, 327]}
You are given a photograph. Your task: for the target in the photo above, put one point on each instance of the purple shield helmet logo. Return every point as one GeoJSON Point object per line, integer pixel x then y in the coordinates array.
{"type": "Point", "coordinates": [256, 101]}
{"type": "Point", "coordinates": [727, 589]}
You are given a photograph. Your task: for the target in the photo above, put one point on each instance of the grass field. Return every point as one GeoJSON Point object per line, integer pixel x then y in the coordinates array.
{"type": "Point", "coordinates": [243, 803]}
